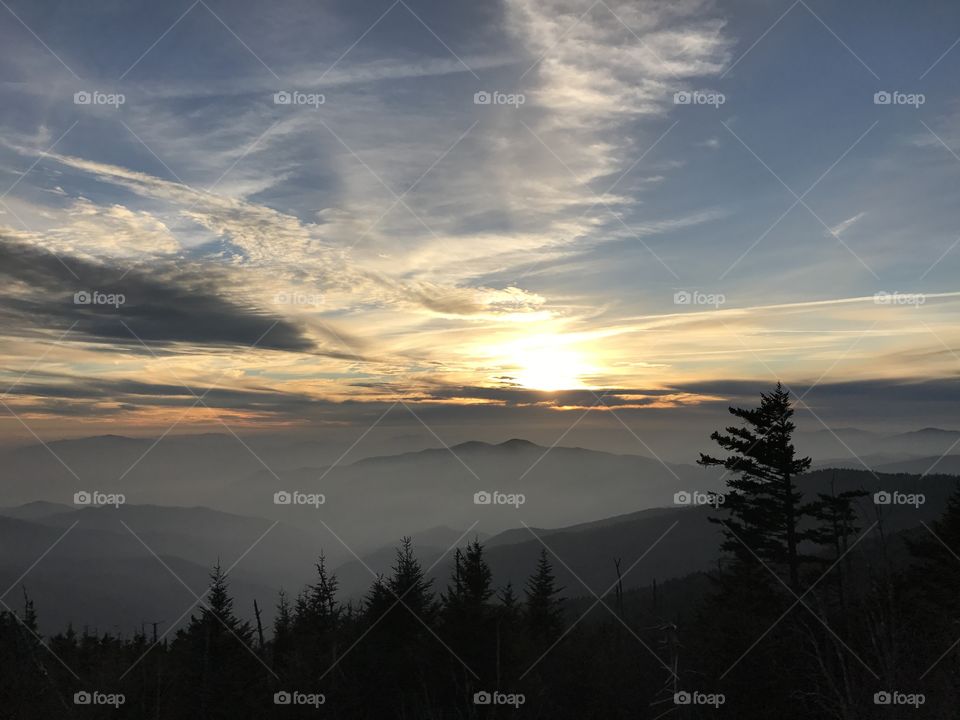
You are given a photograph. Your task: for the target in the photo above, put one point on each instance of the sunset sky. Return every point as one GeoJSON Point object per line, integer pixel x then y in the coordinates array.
{"type": "Point", "coordinates": [599, 244]}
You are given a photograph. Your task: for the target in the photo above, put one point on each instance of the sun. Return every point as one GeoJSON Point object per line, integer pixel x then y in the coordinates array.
{"type": "Point", "coordinates": [548, 364]}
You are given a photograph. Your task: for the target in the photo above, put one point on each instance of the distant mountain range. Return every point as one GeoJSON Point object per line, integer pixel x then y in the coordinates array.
{"type": "Point", "coordinates": [846, 447]}
{"type": "Point", "coordinates": [691, 543]}
{"type": "Point", "coordinates": [383, 497]}
{"type": "Point", "coordinates": [590, 507]}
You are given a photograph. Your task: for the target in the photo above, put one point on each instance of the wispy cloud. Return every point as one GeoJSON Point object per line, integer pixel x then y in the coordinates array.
{"type": "Point", "coordinates": [842, 227]}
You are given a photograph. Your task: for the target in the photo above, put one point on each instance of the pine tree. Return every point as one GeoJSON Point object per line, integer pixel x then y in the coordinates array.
{"type": "Point", "coordinates": [472, 581]}
{"type": "Point", "coordinates": [766, 509]}
{"type": "Point", "coordinates": [938, 571]}
{"type": "Point", "coordinates": [408, 583]}
{"type": "Point", "coordinates": [316, 623]}
{"type": "Point", "coordinates": [318, 611]}
{"type": "Point", "coordinates": [283, 637]}
{"type": "Point", "coordinates": [468, 619]}
{"type": "Point", "coordinates": [837, 519]}
{"type": "Point", "coordinates": [508, 625]}
{"type": "Point", "coordinates": [543, 611]}
{"type": "Point", "coordinates": [399, 649]}
{"type": "Point", "coordinates": [217, 666]}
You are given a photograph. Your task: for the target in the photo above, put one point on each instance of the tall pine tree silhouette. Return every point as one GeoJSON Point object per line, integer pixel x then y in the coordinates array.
{"type": "Point", "coordinates": [468, 620]}
{"type": "Point", "coordinates": [766, 509]}
{"type": "Point", "coordinates": [215, 660]}
{"type": "Point", "coordinates": [543, 611]}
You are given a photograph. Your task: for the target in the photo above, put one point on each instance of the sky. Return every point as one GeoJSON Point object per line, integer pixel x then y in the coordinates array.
{"type": "Point", "coordinates": [292, 216]}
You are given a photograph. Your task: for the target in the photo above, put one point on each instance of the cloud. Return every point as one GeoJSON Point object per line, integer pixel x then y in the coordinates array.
{"type": "Point", "coordinates": [842, 227]}
{"type": "Point", "coordinates": [113, 230]}
{"type": "Point", "coordinates": [165, 306]}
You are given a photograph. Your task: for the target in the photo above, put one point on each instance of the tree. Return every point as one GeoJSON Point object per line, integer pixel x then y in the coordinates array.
{"type": "Point", "coordinates": [316, 622]}
{"type": "Point", "coordinates": [837, 523]}
{"type": "Point", "coordinates": [401, 649]}
{"type": "Point", "coordinates": [766, 509]}
{"type": "Point", "coordinates": [468, 620]}
{"type": "Point", "coordinates": [409, 584]}
{"type": "Point", "coordinates": [217, 666]}
{"type": "Point", "coordinates": [472, 581]}
{"type": "Point", "coordinates": [543, 611]}
{"type": "Point", "coordinates": [938, 570]}
{"type": "Point", "coordinates": [283, 636]}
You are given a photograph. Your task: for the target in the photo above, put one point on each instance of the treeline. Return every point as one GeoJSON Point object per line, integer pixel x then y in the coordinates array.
{"type": "Point", "coordinates": [814, 613]}
{"type": "Point", "coordinates": [404, 652]}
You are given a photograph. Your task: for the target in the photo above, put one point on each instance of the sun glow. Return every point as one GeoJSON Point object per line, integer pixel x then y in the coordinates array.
{"type": "Point", "coordinates": [548, 364]}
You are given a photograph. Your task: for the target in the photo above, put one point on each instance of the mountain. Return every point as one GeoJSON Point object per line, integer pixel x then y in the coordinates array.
{"type": "Point", "coordinates": [97, 578]}
{"type": "Point", "coordinates": [846, 447]}
{"type": "Point", "coordinates": [99, 572]}
{"type": "Point", "coordinates": [272, 552]}
{"type": "Point", "coordinates": [168, 470]}
{"type": "Point", "coordinates": [941, 464]}
{"type": "Point", "coordinates": [586, 551]}
{"type": "Point", "coordinates": [35, 510]}
{"type": "Point", "coordinates": [100, 563]}
{"type": "Point", "coordinates": [376, 500]}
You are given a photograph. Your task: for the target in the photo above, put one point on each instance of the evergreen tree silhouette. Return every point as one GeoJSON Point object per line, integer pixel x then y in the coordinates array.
{"type": "Point", "coordinates": [219, 673]}
{"type": "Point", "coordinates": [543, 611]}
{"type": "Point", "coordinates": [766, 509]}
{"type": "Point", "coordinates": [938, 571]}
{"type": "Point", "coordinates": [468, 620]}
{"type": "Point", "coordinates": [282, 646]}
{"type": "Point", "coordinates": [316, 625]}
{"type": "Point", "coordinates": [400, 648]}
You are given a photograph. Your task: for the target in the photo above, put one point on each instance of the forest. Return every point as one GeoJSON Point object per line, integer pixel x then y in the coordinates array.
{"type": "Point", "coordinates": [816, 611]}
